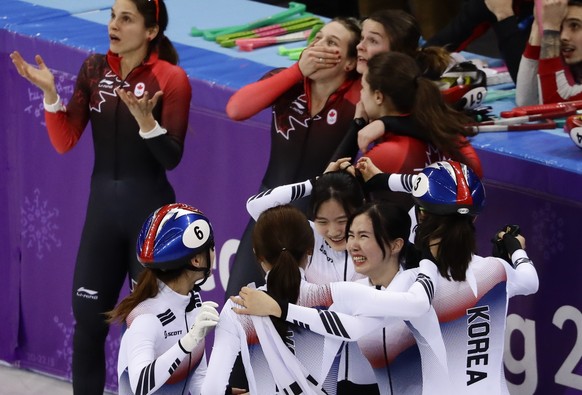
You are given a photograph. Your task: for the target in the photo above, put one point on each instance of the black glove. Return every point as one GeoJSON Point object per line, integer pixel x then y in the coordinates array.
{"type": "Point", "coordinates": [504, 247]}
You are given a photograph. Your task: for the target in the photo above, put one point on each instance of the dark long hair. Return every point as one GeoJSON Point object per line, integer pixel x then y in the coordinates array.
{"type": "Point", "coordinates": [156, 13]}
{"type": "Point", "coordinates": [283, 237]}
{"type": "Point", "coordinates": [404, 34]}
{"type": "Point", "coordinates": [389, 222]}
{"type": "Point", "coordinates": [397, 76]}
{"type": "Point", "coordinates": [338, 185]}
{"type": "Point", "coordinates": [457, 244]}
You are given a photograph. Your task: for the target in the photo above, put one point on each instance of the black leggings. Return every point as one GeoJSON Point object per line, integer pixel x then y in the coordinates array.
{"type": "Point", "coordinates": [106, 255]}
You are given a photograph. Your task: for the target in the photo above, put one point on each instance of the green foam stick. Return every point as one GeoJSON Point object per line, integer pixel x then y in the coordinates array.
{"type": "Point", "coordinates": [283, 30]}
{"type": "Point", "coordinates": [211, 34]}
{"type": "Point", "coordinates": [263, 31]}
{"type": "Point", "coordinates": [284, 51]}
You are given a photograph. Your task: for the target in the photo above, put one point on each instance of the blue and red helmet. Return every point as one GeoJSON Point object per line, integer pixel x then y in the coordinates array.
{"type": "Point", "coordinates": [172, 235]}
{"type": "Point", "coordinates": [449, 187]}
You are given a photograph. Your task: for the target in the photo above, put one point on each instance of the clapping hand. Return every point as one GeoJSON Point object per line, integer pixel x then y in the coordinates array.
{"type": "Point", "coordinates": [141, 108]}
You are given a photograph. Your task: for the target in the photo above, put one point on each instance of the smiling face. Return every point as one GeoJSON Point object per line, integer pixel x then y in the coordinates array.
{"type": "Point", "coordinates": [367, 255]}
{"type": "Point", "coordinates": [330, 222]}
{"type": "Point", "coordinates": [128, 36]}
{"type": "Point", "coordinates": [571, 36]}
{"type": "Point", "coordinates": [365, 250]}
{"type": "Point", "coordinates": [374, 40]}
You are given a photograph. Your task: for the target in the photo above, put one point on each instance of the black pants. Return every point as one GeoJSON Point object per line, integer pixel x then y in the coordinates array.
{"type": "Point", "coordinates": [107, 253]}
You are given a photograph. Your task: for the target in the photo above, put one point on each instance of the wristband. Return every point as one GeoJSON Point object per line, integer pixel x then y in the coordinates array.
{"type": "Point", "coordinates": [54, 107]}
{"type": "Point", "coordinates": [521, 260]}
{"type": "Point", "coordinates": [155, 132]}
{"type": "Point", "coordinates": [360, 123]}
{"type": "Point", "coordinates": [378, 182]}
{"type": "Point", "coordinates": [550, 32]}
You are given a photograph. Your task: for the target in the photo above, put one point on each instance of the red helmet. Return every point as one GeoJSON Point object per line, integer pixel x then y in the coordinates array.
{"type": "Point", "coordinates": [464, 86]}
{"type": "Point", "coordinates": [573, 127]}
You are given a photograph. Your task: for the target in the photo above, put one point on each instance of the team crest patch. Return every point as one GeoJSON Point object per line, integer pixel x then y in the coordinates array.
{"type": "Point", "coordinates": [139, 89]}
{"type": "Point", "coordinates": [331, 117]}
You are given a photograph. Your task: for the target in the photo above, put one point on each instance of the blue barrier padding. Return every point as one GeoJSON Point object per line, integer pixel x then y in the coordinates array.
{"type": "Point", "coordinates": [85, 27]}
{"type": "Point", "coordinates": [13, 13]}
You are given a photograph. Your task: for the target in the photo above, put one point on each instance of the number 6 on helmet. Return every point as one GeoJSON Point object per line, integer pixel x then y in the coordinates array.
{"type": "Point", "coordinates": [172, 235]}
{"type": "Point", "coordinates": [573, 127]}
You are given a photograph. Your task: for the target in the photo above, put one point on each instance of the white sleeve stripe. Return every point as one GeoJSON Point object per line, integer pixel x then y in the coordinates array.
{"type": "Point", "coordinates": [428, 285]}
{"type": "Point", "coordinates": [147, 379]}
{"type": "Point", "coordinates": [261, 194]}
{"type": "Point", "coordinates": [311, 379]}
{"type": "Point", "coordinates": [407, 181]}
{"type": "Point", "coordinates": [301, 324]}
{"type": "Point", "coordinates": [174, 366]}
{"type": "Point", "coordinates": [294, 388]}
{"type": "Point", "coordinates": [333, 324]}
{"type": "Point", "coordinates": [297, 192]}
{"type": "Point", "coordinates": [401, 182]}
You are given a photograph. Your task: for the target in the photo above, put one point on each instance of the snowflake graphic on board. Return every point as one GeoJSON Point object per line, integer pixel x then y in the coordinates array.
{"type": "Point", "coordinates": [66, 352]}
{"type": "Point", "coordinates": [548, 231]}
{"type": "Point", "coordinates": [112, 345]}
{"type": "Point", "coordinates": [65, 84]}
{"type": "Point", "coordinates": [38, 225]}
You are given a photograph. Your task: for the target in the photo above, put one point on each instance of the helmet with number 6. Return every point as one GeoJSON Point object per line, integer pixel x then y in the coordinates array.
{"type": "Point", "coordinates": [573, 127]}
{"type": "Point", "coordinates": [172, 235]}
{"type": "Point", "coordinates": [464, 86]}
{"type": "Point", "coordinates": [449, 187]}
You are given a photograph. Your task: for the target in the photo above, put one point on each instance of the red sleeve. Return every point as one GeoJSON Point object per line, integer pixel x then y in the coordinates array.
{"type": "Point", "coordinates": [399, 154]}
{"type": "Point", "coordinates": [472, 159]}
{"type": "Point", "coordinates": [66, 127]}
{"type": "Point", "coordinates": [403, 154]}
{"type": "Point", "coordinates": [556, 83]}
{"type": "Point", "coordinates": [255, 97]}
{"type": "Point", "coordinates": [168, 148]}
{"type": "Point", "coordinates": [176, 101]}
{"type": "Point", "coordinates": [532, 51]}
{"type": "Point", "coordinates": [63, 131]}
